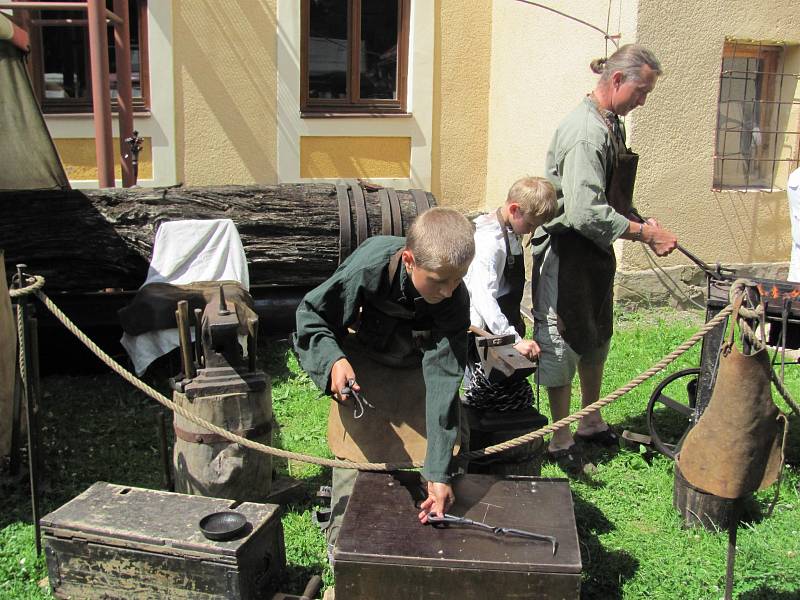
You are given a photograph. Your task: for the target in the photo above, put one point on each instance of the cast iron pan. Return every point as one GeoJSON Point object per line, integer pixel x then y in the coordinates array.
{"type": "Point", "coordinates": [222, 526]}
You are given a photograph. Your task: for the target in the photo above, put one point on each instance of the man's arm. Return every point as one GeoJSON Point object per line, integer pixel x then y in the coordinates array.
{"type": "Point", "coordinates": [585, 204]}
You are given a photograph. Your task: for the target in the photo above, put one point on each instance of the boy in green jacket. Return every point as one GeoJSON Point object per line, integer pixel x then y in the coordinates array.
{"type": "Point", "coordinates": [410, 311]}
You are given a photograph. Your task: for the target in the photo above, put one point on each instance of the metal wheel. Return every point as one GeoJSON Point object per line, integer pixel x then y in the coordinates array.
{"type": "Point", "coordinates": [668, 428]}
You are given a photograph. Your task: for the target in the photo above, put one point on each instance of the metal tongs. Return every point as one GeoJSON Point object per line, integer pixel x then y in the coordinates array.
{"type": "Point", "coordinates": [447, 519]}
{"type": "Point", "coordinates": [361, 403]}
{"type": "Point", "coordinates": [718, 271]}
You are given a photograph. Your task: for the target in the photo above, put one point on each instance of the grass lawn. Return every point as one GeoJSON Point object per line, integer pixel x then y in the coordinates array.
{"type": "Point", "coordinates": [98, 428]}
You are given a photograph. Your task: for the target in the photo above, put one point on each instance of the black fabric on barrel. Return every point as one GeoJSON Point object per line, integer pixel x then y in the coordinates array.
{"type": "Point", "coordinates": [386, 212]}
{"type": "Point", "coordinates": [343, 199]}
{"type": "Point", "coordinates": [397, 216]}
{"type": "Point", "coordinates": [421, 200]}
{"type": "Point", "coordinates": [362, 228]}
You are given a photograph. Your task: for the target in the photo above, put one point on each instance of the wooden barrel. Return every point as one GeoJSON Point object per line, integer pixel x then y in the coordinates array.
{"type": "Point", "coordinates": [293, 234]}
{"type": "Point", "coordinates": [206, 464]}
{"type": "Point", "coordinates": [701, 508]}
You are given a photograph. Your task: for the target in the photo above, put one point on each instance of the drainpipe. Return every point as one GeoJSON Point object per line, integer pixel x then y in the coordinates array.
{"type": "Point", "coordinates": [122, 45]}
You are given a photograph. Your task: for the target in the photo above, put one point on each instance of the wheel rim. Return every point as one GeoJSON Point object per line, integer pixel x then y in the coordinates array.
{"type": "Point", "coordinates": [658, 397]}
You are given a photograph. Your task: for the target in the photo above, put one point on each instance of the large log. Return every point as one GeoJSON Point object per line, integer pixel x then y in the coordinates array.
{"type": "Point", "coordinates": [84, 241]}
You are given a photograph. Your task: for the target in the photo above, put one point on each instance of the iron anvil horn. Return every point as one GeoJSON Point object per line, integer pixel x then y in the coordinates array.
{"type": "Point", "coordinates": [499, 358]}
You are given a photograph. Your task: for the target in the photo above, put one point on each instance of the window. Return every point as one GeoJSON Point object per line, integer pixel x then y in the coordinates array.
{"type": "Point", "coordinates": [59, 60]}
{"type": "Point", "coordinates": [757, 131]}
{"type": "Point", "coordinates": [354, 56]}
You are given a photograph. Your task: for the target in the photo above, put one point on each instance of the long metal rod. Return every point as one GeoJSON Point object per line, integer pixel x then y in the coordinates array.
{"type": "Point", "coordinates": [32, 413]}
{"type": "Point", "coordinates": [101, 95]}
{"type": "Point", "coordinates": [122, 47]}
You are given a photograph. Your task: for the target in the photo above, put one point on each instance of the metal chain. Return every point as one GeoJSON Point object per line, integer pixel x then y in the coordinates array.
{"type": "Point", "coordinates": [233, 438]}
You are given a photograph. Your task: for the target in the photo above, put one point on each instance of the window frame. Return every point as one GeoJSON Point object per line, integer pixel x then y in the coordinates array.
{"type": "Point", "coordinates": [84, 105]}
{"type": "Point", "coordinates": [773, 69]}
{"type": "Point", "coordinates": [353, 105]}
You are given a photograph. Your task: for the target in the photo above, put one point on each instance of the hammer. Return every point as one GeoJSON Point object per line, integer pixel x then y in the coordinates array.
{"type": "Point", "coordinates": [499, 359]}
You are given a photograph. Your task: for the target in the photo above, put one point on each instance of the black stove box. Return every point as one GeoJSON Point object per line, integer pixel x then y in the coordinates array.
{"type": "Point", "coordinates": [115, 541]}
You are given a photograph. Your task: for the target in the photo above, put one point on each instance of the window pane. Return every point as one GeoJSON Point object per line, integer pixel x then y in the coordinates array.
{"type": "Point", "coordinates": [744, 141]}
{"type": "Point", "coordinates": [66, 68]}
{"type": "Point", "coordinates": [136, 69]}
{"type": "Point", "coordinates": [378, 54]}
{"type": "Point", "coordinates": [327, 49]}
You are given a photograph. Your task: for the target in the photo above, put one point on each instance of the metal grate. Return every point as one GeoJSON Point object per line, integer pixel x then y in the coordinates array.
{"type": "Point", "coordinates": [757, 136]}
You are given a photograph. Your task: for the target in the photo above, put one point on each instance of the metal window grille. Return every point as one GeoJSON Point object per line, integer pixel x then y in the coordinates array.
{"type": "Point", "coordinates": [757, 133]}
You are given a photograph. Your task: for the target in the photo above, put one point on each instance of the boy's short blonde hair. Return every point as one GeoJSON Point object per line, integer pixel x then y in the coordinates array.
{"type": "Point", "coordinates": [536, 197]}
{"type": "Point", "coordinates": [441, 238]}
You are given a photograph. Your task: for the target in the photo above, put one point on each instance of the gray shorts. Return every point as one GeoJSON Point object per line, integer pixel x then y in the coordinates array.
{"type": "Point", "coordinates": [558, 361]}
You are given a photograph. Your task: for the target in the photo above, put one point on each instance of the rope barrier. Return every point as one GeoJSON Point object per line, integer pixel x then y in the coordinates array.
{"type": "Point", "coordinates": [38, 282]}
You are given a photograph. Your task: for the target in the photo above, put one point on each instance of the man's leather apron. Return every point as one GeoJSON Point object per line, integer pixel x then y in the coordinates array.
{"type": "Point", "coordinates": [735, 448]}
{"type": "Point", "coordinates": [586, 271]}
{"type": "Point", "coordinates": [386, 355]}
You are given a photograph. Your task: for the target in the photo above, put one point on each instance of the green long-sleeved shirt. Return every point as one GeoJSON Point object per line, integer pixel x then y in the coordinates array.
{"type": "Point", "coordinates": [578, 164]}
{"type": "Point", "coordinates": [327, 310]}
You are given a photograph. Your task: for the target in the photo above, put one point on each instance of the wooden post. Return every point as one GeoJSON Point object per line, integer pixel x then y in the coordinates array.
{"type": "Point", "coordinates": [101, 95]}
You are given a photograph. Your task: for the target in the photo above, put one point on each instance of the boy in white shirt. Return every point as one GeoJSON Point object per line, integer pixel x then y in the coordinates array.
{"type": "Point", "coordinates": [496, 280]}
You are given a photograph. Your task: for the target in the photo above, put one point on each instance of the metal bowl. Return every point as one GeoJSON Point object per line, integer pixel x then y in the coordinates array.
{"type": "Point", "coordinates": [221, 526]}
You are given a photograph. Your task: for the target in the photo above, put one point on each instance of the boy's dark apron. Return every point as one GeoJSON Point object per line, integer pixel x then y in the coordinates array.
{"type": "Point", "coordinates": [586, 270]}
{"type": "Point", "coordinates": [514, 272]}
{"type": "Point", "coordinates": [386, 355]}
{"type": "Point", "coordinates": [735, 448]}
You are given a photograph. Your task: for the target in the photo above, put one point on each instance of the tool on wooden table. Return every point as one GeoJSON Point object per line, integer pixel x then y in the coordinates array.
{"type": "Point", "coordinates": [447, 519]}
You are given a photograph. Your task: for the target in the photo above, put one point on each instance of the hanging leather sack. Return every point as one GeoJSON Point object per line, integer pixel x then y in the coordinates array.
{"type": "Point", "coordinates": [735, 448]}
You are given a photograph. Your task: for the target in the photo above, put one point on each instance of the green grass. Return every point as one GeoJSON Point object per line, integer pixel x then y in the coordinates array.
{"type": "Point", "coordinates": [632, 542]}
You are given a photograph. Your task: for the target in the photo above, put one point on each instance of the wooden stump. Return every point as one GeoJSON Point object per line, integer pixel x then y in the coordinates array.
{"type": "Point", "coordinates": [207, 466]}
{"type": "Point", "coordinates": [701, 508]}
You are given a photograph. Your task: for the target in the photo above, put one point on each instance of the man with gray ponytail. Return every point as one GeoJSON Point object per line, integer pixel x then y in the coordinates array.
{"type": "Point", "coordinates": [593, 172]}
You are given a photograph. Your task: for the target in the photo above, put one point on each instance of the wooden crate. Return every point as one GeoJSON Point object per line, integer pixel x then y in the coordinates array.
{"type": "Point", "coordinates": [115, 541]}
{"type": "Point", "coordinates": [383, 552]}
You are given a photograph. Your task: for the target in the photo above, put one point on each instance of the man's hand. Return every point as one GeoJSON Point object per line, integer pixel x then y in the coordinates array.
{"type": "Point", "coordinates": [528, 348]}
{"type": "Point", "coordinates": [341, 374]}
{"type": "Point", "coordinates": [662, 241]}
{"type": "Point", "coordinates": [440, 499]}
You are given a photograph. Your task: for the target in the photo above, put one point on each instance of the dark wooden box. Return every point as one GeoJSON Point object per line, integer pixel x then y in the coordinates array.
{"type": "Point", "coordinates": [384, 552]}
{"type": "Point", "coordinates": [115, 541]}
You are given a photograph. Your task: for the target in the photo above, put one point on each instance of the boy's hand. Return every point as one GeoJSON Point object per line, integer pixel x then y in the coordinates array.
{"type": "Point", "coordinates": [528, 348]}
{"type": "Point", "coordinates": [440, 499]}
{"type": "Point", "coordinates": [341, 374]}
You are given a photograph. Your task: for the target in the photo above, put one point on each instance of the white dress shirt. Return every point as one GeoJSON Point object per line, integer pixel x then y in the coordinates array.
{"type": "Point", "coordinates": [484, 280]}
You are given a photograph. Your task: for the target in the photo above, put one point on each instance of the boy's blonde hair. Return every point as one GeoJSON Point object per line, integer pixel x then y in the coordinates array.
{"type": "Point", "coordinates": [441, 238]}
{"type": "Point", "coordinates": [536, 197]}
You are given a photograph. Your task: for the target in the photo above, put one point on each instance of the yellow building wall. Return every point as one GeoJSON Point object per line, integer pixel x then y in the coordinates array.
{"type": "Point", "coordinates": [462, 59]}
{"type": "Point", "coordinates": [539, 74]}
{"type": "Point", "coordinates": [675, 132]}
{"type": "Point", "coordinates": [80, 161]}
{"type": "Point", "coordinates": [355, 157]}
{"type": "Point", "coordinates": [225, 57]}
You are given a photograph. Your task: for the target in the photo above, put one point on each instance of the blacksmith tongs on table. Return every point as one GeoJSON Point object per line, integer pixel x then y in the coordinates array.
{"type": "Point", "coordinates": [447, 519]}
{"type": "Point", "coordinates": [361, 403]}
